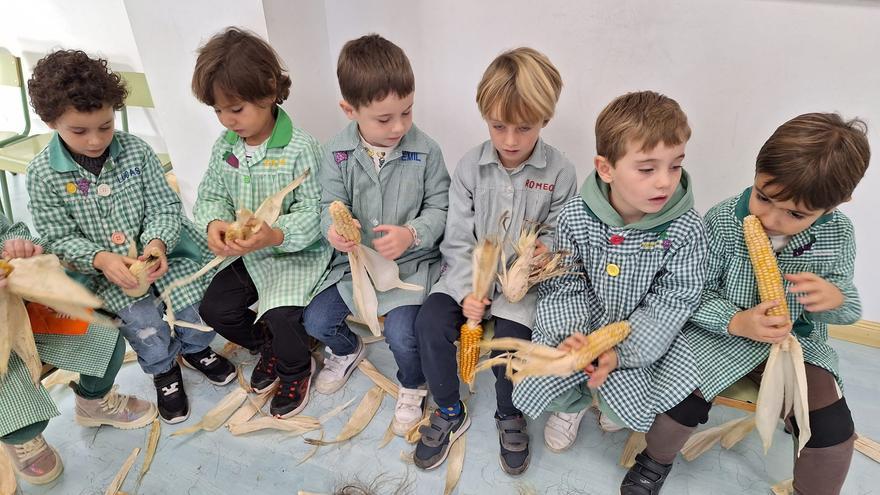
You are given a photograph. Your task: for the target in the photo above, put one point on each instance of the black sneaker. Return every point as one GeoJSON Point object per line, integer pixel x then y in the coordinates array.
{"type": "Point", "coordinates": [292, 396]}
{"type": "Point", "coordinates": [170, 396]}
{"type": "Point", "coordinates": [646, 477]}
{"type": "Point", "coordinates": [215, 367]}
{"type": "Point", "coordinates": [438, 436]}
{"type": "Point", "coordinates": [264, 374]}
{"type": "Point", "coordinates": [514, 440]}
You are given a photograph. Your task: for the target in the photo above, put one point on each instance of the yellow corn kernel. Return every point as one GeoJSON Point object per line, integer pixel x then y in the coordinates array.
{"type": "Point", "coordinates": [600, 341]}
{"type": "Point", "coordinates": [344, 223]}
{"type": "Point", "coordinates": [766, 270]}
{"type": "Point", "coordinates": [5, 267]}
{"type": "Point", "coordinates": [469, 351]}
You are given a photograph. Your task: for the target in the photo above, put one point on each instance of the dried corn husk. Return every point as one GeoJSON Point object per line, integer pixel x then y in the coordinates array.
{"type": "Point", "coordinates": [60, 377]}
{"type": "Point", "coordinates": [868, 447]}
{"type": "Point", "coordinates": [312, 451]}
{"type": "Point", "coordinates": [455, 464]}
{"type": "Point", "coordinates": [634, 445]}
{"type": "Point", "coordinates": [244, 226]}
{"type": "Point", "coordinates": [783, 487]}
{"type": "Point", "coordinates": [296, 425]}
{"type": "Point", "coordinates": [531, 359]}
{"type": "Point", "coordinates": [783, 390]}
{"type": "Point", "coordinates": [700, 443]}
{"type": "Point", "coordinates": [738, 431]}
{"type": "Point", "coordinates": [268, 212]}
{"type": "Point", "coordinates": [251, 408]}
{"type": "Point", "coordinates": [515, 281]}
{"type": "Point", "coordinates": [414, 435]}
{"type": "Point", "coordinates": [359, 420]}
{"type": "Point", "coordinates": [378, 378]}
{"type": "Point", "coordinates": [8, 485]}
{"type": "Point", "coordinates": [140, 268]}
{"type": "Point", "coordinates": [39, 279]}
{"type": "Point", "coordinates": [152, 443]}
{"type": "Point", "coordinates": [372, 339]}
{"type": "Point", "coordinates": [129, 357]}
{"type": "Point", "coordinates": [119, 479]}
{"type": "Point", "coordinates": [388, 436]}
{"type": "Point", "coordinates": [215, 418]}
{"type": "Point", "coordinates": [485, 266]}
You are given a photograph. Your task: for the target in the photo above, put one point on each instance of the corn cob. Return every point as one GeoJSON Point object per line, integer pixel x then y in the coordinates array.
{"type": "Point", "coordinates": [344, 223]}
{"type": "Point", "coordinates": [139, 269]}
{"type": "Point", "coordinates": [531, 359]}
{"type": "Point", "coordinates": [766, 270]}
{"type": "Point", "coordinates": [5, 268]}
{"type": "Point", "coordinates": [485, 264]}
{"type": "Point", "coordinates": [243, 227]}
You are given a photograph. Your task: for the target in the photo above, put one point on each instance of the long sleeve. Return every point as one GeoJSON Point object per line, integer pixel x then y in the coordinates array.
{"type": "Point", "coordinates": [162, 209]}
{"type": "Point", "coordinates": [460, 238]}
{"type": "Point", "coordinates": [842, 277]}
{"type": "Point", "coordinates": [431, 221]}
{"type": "Point", "coordinates": [213, 201]}
{"type": "Point", "coordinates": [715, 311]}
{"type": "Point", "coordinates": [332, 189]}
{"type": "Point", "coordinates": [301, 221]}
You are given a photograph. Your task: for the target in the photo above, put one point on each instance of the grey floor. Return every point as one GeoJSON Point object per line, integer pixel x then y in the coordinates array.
{"type": "Point", "coordinates": [268, 463]}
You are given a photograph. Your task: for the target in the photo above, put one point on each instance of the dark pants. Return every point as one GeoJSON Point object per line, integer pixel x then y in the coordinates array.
{"type": "Point", "coordinates": [226, 308]}
{"type": "Point", "coordinates": [438, 327]}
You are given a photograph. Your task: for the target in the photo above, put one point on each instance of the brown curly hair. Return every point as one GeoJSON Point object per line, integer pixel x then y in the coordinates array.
{"type": "Point", "coordinates": [242, 65]}
{"type": "Point", "coordinates": [70, 78]}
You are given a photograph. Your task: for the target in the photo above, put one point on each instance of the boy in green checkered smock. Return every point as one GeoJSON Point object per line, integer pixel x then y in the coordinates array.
{"type": "Point", "coordinates": [95, 194]}
{"type": "Point", "coordinates": [640, 250]}
{"type": "Point", "coordinates": [807, 168]}
{"type": "Point", "coordinates": [25, 409]}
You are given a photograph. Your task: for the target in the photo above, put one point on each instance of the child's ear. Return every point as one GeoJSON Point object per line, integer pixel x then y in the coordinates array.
{"type": "Point", "coordinates": [347, 109]}
{"type": "Point", "coordinates": [604, 168]}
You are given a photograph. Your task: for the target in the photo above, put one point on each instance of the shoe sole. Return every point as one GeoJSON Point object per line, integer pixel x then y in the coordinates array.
{"type": "Point", "coordinates": [133, 425]}
{"type": "Point", "coordinates": [452, 438]}
{"type": "Point", "coordinates": [362, 353]}
{"type": "Point", "coordinates": [46, 478]}
{"type": "Point", "coordinates": [259, 391]}
{"type": "Point", "coordinates": [567, 447]}
{"type": "Point", "coordinates": [305, 401]}
{"type": "Point", "coordinates": [401, 431]}
{"type": "Point", "coordinates": [515, 471]}
{"type": "Point", "coordinates": [174, 421]}
{"type": "Point", "coordinates": [224, 382]}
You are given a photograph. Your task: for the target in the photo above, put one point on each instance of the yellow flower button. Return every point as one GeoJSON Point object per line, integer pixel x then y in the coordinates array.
{"type": "Point", "coordinates": [612, 269]}
{"type": "Point", "coordinates": [71, 188]}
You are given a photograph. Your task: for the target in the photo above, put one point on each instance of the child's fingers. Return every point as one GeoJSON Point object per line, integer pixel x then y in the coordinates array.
{"type": "Point", "coordinates": [766, 306]}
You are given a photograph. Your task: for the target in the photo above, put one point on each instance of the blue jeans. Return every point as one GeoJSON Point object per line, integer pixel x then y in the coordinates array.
{"type": "Point", "coordinates": [150, 336]}
{"type": "Point", "coordinates": [324, 320]}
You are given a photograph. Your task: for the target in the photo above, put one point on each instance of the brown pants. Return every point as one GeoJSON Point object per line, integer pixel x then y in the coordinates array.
{"type": "Point", "coordinates": [822, 465]}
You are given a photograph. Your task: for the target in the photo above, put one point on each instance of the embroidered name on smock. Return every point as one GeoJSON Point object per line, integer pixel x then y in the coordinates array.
{"type": "Point", "coordinates": [407, 156]}
{"type": "Point", "coordinates": [544, 186]}
{"type": "Point", "coordinates": [124, 176]}
{"type": "Point", "coordinates": [274, 163]}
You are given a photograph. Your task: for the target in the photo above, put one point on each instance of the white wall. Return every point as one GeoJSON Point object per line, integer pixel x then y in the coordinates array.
{"type": "Point", "coordinates": [739, 69]}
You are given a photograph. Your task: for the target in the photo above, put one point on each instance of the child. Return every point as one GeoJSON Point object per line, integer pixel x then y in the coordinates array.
{"type": "Point", "coordinates": [392, 177]}
{"type": "Point", "coordinates": [94, 192]}
{"type": "Point", "coordinates": [25, 410]}
{"type": "Point", "coordinates": [240, 76]}
{"type": "Point", "coordinates": [516, 172]}
{"type": "Point", "coordinates": [807, 168]}
{"type": "Point", "coordinates": [640, 248]}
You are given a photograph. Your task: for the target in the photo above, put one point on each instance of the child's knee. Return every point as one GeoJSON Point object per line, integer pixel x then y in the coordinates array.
{"type": "Point", "coordinates": [829, 426]}
{"type": "Point", "coordinates": [692, 411]}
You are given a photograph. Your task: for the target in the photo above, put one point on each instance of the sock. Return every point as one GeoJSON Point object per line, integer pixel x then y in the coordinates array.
{"type": "Point", "coordinates": [450, 412]}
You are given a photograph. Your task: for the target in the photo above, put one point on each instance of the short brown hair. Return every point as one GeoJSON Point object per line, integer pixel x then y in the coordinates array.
{"type": "Point", "coordinates": [242, 65]}
{"type": "Point", "coordinates": [644, 117]}
{"type": "Point", "coordinates": [370, 68]}
{"type": "Point", "coordinates": [816, 159]}
{"type": "Point", "coordinates": [519, 86]}
{"type": "Point", "coordinates": [69, 78]}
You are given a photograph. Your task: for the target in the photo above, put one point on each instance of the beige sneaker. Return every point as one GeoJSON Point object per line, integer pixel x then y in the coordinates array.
{"type": "Point", "coordinates": [35, 461]}
{"type": "Point", "coordinates": [607, 425]}
{"type": "Point", "coordinates": [126, 412]}
{"type": "Point", "coordinates": [561, 430]}
{"type": "Point", "coordinates": [409, 410]}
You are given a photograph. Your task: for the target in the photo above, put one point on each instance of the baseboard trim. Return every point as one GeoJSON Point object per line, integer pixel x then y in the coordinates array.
{"type": "Point", "coordinates": [862, 332]}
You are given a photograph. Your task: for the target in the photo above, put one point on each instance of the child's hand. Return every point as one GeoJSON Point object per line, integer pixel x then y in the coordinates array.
{"type": "Point", "coordinates": [474, 309]}
{"type": "Point", "coordinates": [607, 363]}
{"type": "Point", "coordinates": [21, 248]}
{"type": "Point", "coordinates": [265, 237]}
{"type": "Point", "coordinates": [115, 269]}
{"type": "Point", "coordinates": [216, 234]}
{"type": "Point", "coordinates": [341, 243]}
{"type": "Point", "coordinates": [160, 268]}
{"type": "Point", "coordinates": [396, 240]}
{"type": "Point", "coordinates": [816, 293]}
{"type": "Point", "coordinates": [540, 248]}
{"type": "Point", "coordinates": [756, 325]}
{"type": "Point", "coordinates": [573, 342]}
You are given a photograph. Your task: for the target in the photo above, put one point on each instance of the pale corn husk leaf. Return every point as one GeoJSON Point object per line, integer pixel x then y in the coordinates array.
{"type": "Point", "coordinates": [700, 442]}
{"type": "Point", "coordinates": [359, 420]}
{"type": "Point", "coordinates": [18, 335]}
{"type": "Point", "coordinates": [414, 435]}
{"type": "Point", "coordinates": [139, 269]}
{"type": "Point", "coordinates": [454, 464]}
{"type": "Point", "coordinates": [152, 444]}
{"type": "Point", "coordinates": [229, 349]}
{"type": "Point", "coordinates": [407, 457]}
{"type": "Point", "coordinates": [515, 280]}
{"type": "Point", "coordinates": [119, 479]}
{"type": "Point", "coordinates": [372, 339]}
{"type": "Point", "coordinates": [783, 487]}
{"type": "Point", "coordinates": [313, 450]}
{"type": "Point", "coordinates": [250, 409]}
{"type": "Point", "coordinates": [378, 378]}
{"type": "Point", "coordinates": [868, 447]}
{"type": "Point", "coordinates": [60, 377]}
{"type": "Point", "coordinates": [335, 411]}
{"type": "Point", "coordinates": [738, 431]}
{"type": "Point", "coordinates": [388, 436]}
{"type": "Point", "coordinates": [243, 227]}
{"type": "Point", "coordinates": [215, 418]}
{"type": "Point", "coordinates": [634, 445]}
{"type": "Point", "coordinates": [242, 381]}
{"type": "Point", "coordinates": [8, 483]}
{"type": "Point", "coordinates": [783, 390]}
{"type": "Point", "coordinates": [366, 304]}
{"type": "Point", "coordinates": [296, 425]}
{"type": "Point", "coordinates": [384, 273]}
{"type": "Point", "coordinates": [41, 278]}
{"type": "Point", "coordinates": [129, 357]}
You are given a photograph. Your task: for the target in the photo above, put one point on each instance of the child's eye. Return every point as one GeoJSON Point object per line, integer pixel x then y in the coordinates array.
{"type": "Point", "coordinates": [79, 131]}
{"type": "Point", "coordinates": [646, 170]}
{"type": "Point", "coordinates": [525, 129]}
{"type": "Point", "coordinates": [236, 110]}
{"type": "Point", "coordinates": [677, 167]}
{"type": "Point", "coordinates": [384, 121]}
{"type": "Point", "coordinates": [498, 127]}
{"type": "Point", "coordinates": [762, 198]}
{"type": "Point", "coordinates": [407, 112]}
{"type": "Point", "coordinates": [796, 215]}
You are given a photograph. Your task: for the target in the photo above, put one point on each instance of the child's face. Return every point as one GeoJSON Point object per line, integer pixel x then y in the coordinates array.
{"type": "Point", "coordinates": [779, 217]}
{"type": "Point", "coordinates": [383, 122]}
{"type": "Point", "coordinates": [642, 182]}
{"type": "Point", "coordinates": [253, 122]}
{"type": "Point", "coordinates": [513, 142]}
{"type": "Point", "coordinates": [86, 133]}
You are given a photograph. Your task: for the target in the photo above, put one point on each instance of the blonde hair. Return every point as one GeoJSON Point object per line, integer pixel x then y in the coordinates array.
{"type": "Point", "coordinates": [519, 86]}
{"type": "Point", "coordinates": [645, 118]}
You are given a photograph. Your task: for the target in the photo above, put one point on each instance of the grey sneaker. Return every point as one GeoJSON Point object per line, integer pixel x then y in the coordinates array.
{"type": "Point", "coordinates": [35, 461]}
{"type": "Point", "coordinates": [126, 412]}
{"type": "Point", "coordinates": [337, 369]}
{"type": "Point", "coordinates": [437, 437]}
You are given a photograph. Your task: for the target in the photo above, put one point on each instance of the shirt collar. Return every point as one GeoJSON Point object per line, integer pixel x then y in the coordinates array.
{"type": "Point", "coordinates": [537, 159]}
{"type": "Point", "coordinates": [61, 161]}
{"type": "Point", "coordinates": [281, 135]}
{"type": "Point", "coordinates": [350, 139]}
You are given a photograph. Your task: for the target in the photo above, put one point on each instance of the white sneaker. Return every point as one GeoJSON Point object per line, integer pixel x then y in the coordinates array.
{"type": "Point", "coordinates": [561, 430]}
{"type": "Point", "coordinates": [409, 409]}
{"type": "Point", "coordinates": [337, 369]}
{"type": "Point", "coordinates": [607, 425]}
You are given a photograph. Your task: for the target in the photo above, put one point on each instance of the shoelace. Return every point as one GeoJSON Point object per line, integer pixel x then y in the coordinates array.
{"type": "Point", "coordinates": [29, 449]}
{"type": "Point", "coordinates": [114, 402]}
{"type": "Point", "coordinates": [333, 364]}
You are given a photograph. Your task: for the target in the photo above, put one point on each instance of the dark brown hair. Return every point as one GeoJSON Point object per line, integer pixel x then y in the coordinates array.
{"type": "Point", "coordinates": [815, 159]}
{"type": "Point", "coordinates": [242, 65]}
{"type": "Point", "coordinates": [370, 68]}
{"type": "Point", "coordinates": [645, 118]}
{"type": "Point", "coordinates": [69, 78]}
